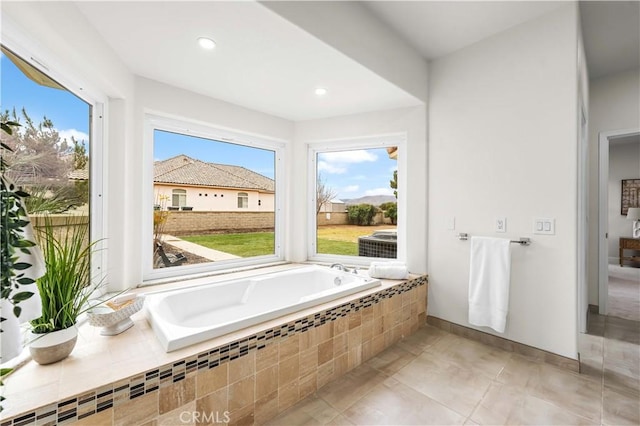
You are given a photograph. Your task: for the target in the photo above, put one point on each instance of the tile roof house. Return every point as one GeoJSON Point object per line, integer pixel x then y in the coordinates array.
{"type": "Point", "coordinates": [194, 184]}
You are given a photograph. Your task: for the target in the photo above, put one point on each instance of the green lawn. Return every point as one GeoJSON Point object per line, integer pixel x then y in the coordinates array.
{"type": "Point", "coordinates": [243, 245]}
{"type": "Point", "coordinates": [262, 243]}
{"type": "Point", "coordinates": [337, 247]}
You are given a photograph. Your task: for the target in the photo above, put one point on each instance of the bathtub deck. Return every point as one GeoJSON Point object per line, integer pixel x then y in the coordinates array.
{"type": "Point", "coordinates": [100, 361]}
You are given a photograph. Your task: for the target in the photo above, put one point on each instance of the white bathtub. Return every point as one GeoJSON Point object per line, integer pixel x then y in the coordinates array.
{"type": "Point", "coordinates": [184, 317]}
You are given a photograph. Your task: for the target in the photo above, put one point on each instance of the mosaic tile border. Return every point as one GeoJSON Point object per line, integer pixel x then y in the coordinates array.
{"type": "Point", "coordinates": [91, 402]}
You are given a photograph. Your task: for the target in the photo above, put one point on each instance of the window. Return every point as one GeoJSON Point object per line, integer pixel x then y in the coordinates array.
{"type": "Point", "coordinates": [229, 230]}
{"type": "Point", "coordinates": [356, 213]}
{"type": "Point", "coordinates": [243, 200]}
{"type": "Point", "coordinates": [178, 197]}
{"type": "Point", "coordinates": [57, 148]}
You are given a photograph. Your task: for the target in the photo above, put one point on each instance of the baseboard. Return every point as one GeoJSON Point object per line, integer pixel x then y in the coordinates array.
{"type": "Point", "coordinates": [505, 344]}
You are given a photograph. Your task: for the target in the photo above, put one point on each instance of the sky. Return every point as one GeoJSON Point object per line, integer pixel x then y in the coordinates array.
{"type": "Point", "coordinates": [357, 173]}
{"type": "Point", "coordinates": [69, 114]}
{"type": "Point", "coordinates": [167, 145]}
{"type": "Point", "coordinates": [350, 174]}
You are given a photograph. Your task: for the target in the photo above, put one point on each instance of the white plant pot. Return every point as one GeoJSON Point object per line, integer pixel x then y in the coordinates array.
{"type": "Point", "coordinates": [48, 348]}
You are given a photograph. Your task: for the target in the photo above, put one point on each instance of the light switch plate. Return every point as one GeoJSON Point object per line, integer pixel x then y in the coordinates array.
{"type": "Point", "coordinates": [501, 224]}
{"type": "Point", "coordinates": [544, 226]}
{"type": "Point", "coordinates": [451, 223]}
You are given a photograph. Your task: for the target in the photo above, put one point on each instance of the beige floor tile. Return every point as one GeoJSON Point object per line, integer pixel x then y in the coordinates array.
{"type": "Point", "coordinates": [457, 388]}
{"type": "Point", "coordinates": [343, 392]}
{"type": "Point", "coordinates": [340, 420]}
{"type": "Point", "coordinates": [621, 377]}
{"type": "Point", "coordinates": [471, 355]}
{"type": "Point", "coordinates": [620, 408]}
{"type": "Point", "coordinates": [422, 339]}
{"type": "Point", "coordinates": [624, 298]}
{"type": "Point", "coordinates": [498, 404]}
{"type": "Point", "coordinates": [393, 403]}
{"type": "Point", "coordinates": [311, 411]}
{"type": "Point", "coordinates": [622, 329]}
{"type": "Point", "coordinates": [391, 360]}
{"type": "Point", "coordinates": [518, 371]}
{"type": "Point", "coordinates": [573, 392]}
{"type": "Point", "coordinates": [535, 411]}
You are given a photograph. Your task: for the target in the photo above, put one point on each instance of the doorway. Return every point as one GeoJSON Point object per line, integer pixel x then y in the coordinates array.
{"type": "Point", "coordinates": [606, 236]}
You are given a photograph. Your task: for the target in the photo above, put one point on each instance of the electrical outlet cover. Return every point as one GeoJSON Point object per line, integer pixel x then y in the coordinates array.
{"type": "Point", "coordinates": [501, 224]}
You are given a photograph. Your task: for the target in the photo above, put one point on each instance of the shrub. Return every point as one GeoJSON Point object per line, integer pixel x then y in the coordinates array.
{"type": "Point", "coordinates": [390, 210]}
{"type": "Point", "coordinates": [361, 214]}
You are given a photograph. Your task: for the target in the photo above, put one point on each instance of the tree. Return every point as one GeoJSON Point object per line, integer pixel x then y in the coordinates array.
{"type": "Point", "coordinates": [38, 153]}
{"type": "Point", "coordinates": [41, 162]}
{"type": "Point", "coordinates": [361, 214]}
{"type": "Point", "coordinates": [390, 210]}
{"type": "Point", "coordinates": [394, 183]}
{"type": "Point", "coordinates": [80, 157]}
{"type": "Point", "coordinates": [324, 194]}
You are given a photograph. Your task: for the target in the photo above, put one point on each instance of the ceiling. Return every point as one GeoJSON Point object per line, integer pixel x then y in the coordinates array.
{"type": "Point", "coordinates": [611, 29]}
{"type": "Point", "coordinates": [261, 61]}
{"type": "Point", "coordinates": [438, 28]}
{"type": "Point", "coordinates": [264, 62]}
{"type": "Point", "coordinates": [611, 32]}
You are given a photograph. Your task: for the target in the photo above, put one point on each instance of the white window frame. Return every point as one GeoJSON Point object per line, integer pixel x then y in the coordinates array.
{"type": "Point", "coordinates": [366, 142]}
{"type": "Point", "coordinates": [182, 197]}
{"type": "Point", "coordinates": [158, 121]}
{"type": "Point", "coordinates": [22, 45]}
{"type": "Point", "coordinates": [244, 196]}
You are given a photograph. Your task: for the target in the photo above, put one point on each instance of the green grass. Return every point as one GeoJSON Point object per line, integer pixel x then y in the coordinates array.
{"type": "Point", "coordinates": [243, 245]}
{"type": "Point", "coordinates": [262, 243]}
{"type": "Point", "coordinates": [337, 247]}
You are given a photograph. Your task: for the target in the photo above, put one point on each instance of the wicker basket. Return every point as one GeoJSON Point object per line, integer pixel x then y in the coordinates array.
{"type": "Point", "coordinates": [115, 321]}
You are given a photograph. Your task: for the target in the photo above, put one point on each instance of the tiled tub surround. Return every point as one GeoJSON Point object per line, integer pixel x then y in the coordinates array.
{"type": "Point", "coordinates": [249, 376]}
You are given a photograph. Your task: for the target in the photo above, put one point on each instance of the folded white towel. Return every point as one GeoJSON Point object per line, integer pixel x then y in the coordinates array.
{"type": "Point", "coordinates": [390, 270]}
{"type": "Point", "coordinates": [489, 279]}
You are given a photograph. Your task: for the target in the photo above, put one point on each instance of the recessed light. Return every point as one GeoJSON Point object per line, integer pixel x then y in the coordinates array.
{"type": "Point", "coordinates": [206, 43]}
{"type": "Point", "coordinates": [321, 91]}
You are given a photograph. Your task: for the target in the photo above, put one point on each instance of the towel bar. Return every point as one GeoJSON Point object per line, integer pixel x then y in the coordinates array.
{"type": "Point", "coordinates": [523, 241]}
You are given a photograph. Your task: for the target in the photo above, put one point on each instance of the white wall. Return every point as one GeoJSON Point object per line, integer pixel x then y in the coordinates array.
{"type": "Point", "coordinates": [624, 163]}
{"type": "Point", "coordinates": [411, 121]}
{"type": "Point", "coordinates": [614, 104]}
{"type": "Point", "coordinates": [503, 142]}
{"type": "Point", "coordinates": [206, 199]}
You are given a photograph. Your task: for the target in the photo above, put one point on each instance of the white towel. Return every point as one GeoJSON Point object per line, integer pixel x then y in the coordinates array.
{"type": "Point", "coordinates": [11, 337]}
{"type": "Point", "coordinates": [390, 270]}
{"type": "Point", "coordinates": [489, 279]}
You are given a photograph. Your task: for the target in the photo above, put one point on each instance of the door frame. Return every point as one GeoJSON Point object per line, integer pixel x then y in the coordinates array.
{"type": "Point", "coordinates": [604, 142]}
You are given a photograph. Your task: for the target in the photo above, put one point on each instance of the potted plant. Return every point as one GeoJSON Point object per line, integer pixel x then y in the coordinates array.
{"type": "Point", "coordinates": [65, 288]}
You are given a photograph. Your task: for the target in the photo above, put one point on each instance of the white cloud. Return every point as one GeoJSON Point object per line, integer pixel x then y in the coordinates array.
{"type": "Point", "coordinates": [379, 191]}
{"type": "Point", "coordinates": [77, 134]}
{"type": "Point", "coordinates": [323, 166]}
{"type": "Point", "coordinates": [351, 188]}
{"type": "Point", "coordinates": [349, 157]}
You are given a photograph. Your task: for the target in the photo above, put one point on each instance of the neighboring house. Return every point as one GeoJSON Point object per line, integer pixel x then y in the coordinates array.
{"type": "Point", "coordinates": [188, 183]}
{"type": "Point", "coordinates": [79, 174]}
{"type": "Point", "coordinates": [333, 206]}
